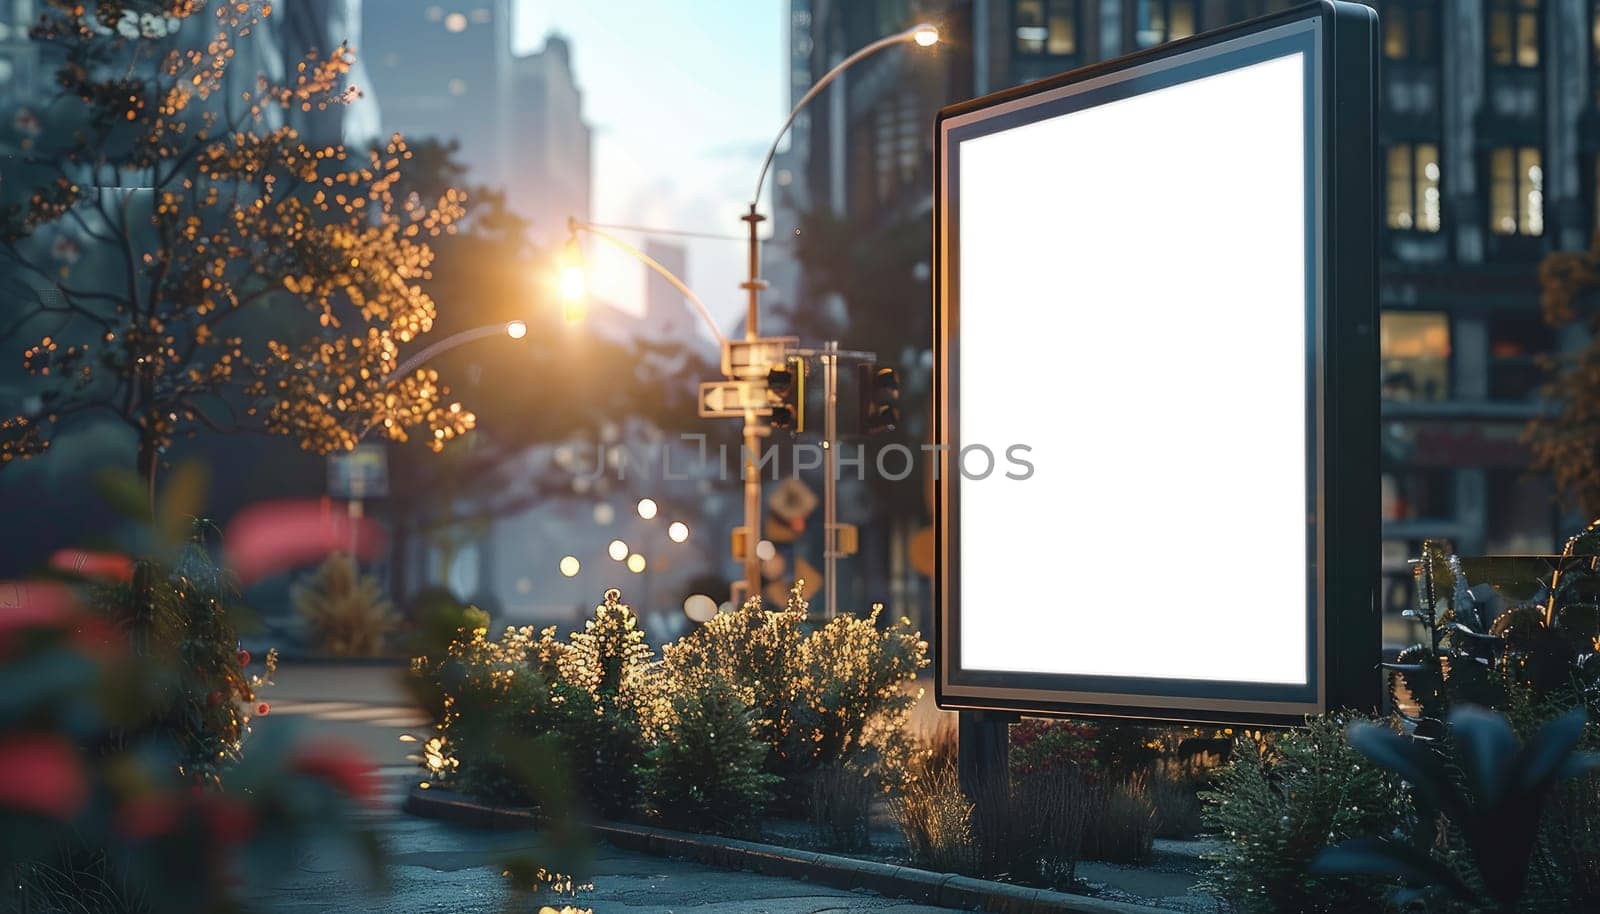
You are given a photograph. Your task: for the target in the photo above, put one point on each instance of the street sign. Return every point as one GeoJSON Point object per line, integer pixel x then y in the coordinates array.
{"type": "Point", "coordinates": [361, 473]}
{"type": "Point", "coordinates": [730, 399]}
{"type": "Point", "coordinates": [845, 539]}
{"type": "Point", "coordinates": [752, 358]}
{"type": "Point", "coordinates": [792, 500]}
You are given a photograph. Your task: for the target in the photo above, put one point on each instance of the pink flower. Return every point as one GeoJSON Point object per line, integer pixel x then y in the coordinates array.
{"type": "Point", "coordinates": [341, 765]}
{"type": "Point", "coordinates": [43, 774]}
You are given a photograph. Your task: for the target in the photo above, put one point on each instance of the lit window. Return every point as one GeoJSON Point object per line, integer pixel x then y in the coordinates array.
{"type": "Point", "coordinates": [1158, 21]}
{"type": "Point", "coordinates": [1046, 27]}
{"type": "Point", "coordinates": [1410, 29]}
{"type": "Point", "coordinates": [1414, 348]}
{"type": "Point", "coordinates": [1412, 188]}
{"type": "Point", "coordinates": [1514, 33]}
{"type": "Point", "coordinates": [1516, 191]}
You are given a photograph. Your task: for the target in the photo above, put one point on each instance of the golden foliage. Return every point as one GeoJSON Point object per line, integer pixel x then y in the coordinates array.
{"type": "Point", "coordinates": [244, 215]}
{"type": "Point", "coordinates": [346, 610]}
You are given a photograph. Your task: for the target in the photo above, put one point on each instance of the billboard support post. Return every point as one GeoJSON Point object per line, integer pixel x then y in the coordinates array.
{"type": "Point", "coordinates": [983, 744]}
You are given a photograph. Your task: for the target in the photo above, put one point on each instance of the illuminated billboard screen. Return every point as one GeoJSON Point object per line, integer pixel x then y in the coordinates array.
{"type": "Point", "coordinates": [1158, 379]}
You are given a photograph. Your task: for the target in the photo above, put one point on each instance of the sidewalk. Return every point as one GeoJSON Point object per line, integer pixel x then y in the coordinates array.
{"type": "Point", "coordinates": [442, 869]}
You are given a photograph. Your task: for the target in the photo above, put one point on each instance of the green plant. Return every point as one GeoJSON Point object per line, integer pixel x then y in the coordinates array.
{"type": "Point", "coordinates": [836, 694]}
{"type": "Point", "coordinates": [1276, 806]}
{"type": "Point", "coordinates": [346, 610]}
{"type": "Point", "coordinates": [1175, 786]}
{"type": "Point", "coordinates": [1492, 789]}
{"type": "Point", "coordinates": [94, 815]}
{"type": "Point", "coordinates": [933, 815]}
{"type": "Point", "coordinates": [1032, 828]}
{"type": "Point", "coordinates": [704, 773]}
{"type": "Point", "coordinates": [1529, 623]}
{"type": "Point", "coordinates": [182, 619]}
{"type": "Point", "coordinates": [840, 805]}
{"type": "Point", "coordinates": [1121, 822]}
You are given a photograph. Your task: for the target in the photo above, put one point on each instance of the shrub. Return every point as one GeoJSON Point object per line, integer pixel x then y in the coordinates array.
{"type": "Point", "coordinates": [1275, 807]}
{"type": "Point", "coordinates": [834, 695]}
{"type": "Point", "coordinates": [181, 622]}
{"type": "Point", "coordinates": [346, 610]}
{"type": "Point", "coordinates": [704, 773]}
{"type": "Point", "coordinates": [1122, 822]}
{"type": "Point", "coordinates": [511, 703]}
{"type": "Point", "coordinates": [933, 815]}
{"type": "Point", "coordinates": [1175, 786]}
{"type": "Point", "coordinates": [1032, 829]}
{"type": "Point", "coordinates": [840, 806]}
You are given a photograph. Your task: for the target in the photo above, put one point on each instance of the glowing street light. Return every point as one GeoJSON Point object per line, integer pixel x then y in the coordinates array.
{"type": "Point", "coordinates": [636, 563]}
{"type": "Point", "coordinates": [678, 532]}
{"type": "Point", "coordinates": [516, 329]}
{"type": "Point", "coordinates": [569, 565]}
{"type": "Point", "coordinates": [647, 508]}
{"type": "Point", "coordinates": [617, 550]}
{"type": "Point", "coordinates": [925, 35]}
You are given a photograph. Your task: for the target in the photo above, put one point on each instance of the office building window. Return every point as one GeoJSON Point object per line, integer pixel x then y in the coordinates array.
{"type": "Point", "coordinates": [1514, 33]}
{"type": "Point", "coordinates": [897, 144]}
{"type": "Point", "coordinates": [1516, 191]}
{"type": "Point", "coordinates": [1047, 27]}
{"type": "Point", "coordinates": [1414, 349]}
{"type": "Point", "coordinates": [1156, 21]}
{"type": "Point", "coordinates": [1417, 494]}
{"type": "Point", "coordinates": [1412, 187]}
{"type": "Point", "coordinates": [1516, 341]}
{"type": "Point", "coordinates": [1410, 29]}
{"type": "Point", "coordinates": [1522, 514]}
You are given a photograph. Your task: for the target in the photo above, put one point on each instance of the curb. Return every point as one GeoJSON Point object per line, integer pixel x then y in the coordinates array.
{"type": "Point", "coordinates": [941, 889]}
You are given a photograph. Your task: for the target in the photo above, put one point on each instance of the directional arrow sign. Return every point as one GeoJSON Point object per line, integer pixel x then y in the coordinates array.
{"type": "Point", "coordinates": [752, 358]}
{"type": "Point", "coordinates": [730, 399]}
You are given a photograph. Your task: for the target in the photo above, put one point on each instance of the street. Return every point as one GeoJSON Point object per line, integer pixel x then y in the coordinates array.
{"type": "Point", "coordinates": [436, 867]}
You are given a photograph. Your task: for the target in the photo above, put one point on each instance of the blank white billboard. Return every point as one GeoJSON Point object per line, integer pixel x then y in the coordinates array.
{"type": "Point", "coordinates": [1134, 291]}
{"type": "Point", "coordinates": [1156, 286]}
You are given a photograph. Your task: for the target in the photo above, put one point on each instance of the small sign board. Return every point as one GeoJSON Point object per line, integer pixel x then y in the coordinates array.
{"type": "Point", "coordinates": [792, 499]}
{"type": "Point", "coordinates": [361, 473]}
{"type": "Point", "coordinates": [752, 358]}
{"type": "Point", "coordinates": [730, 399]}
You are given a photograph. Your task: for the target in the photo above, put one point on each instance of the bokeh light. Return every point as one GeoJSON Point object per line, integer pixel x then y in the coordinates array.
{"type": "Point", "coordinates": [647, 508]}
{"type": "Point", "coordinates": [569, 565]}
{"type": "Point", "coordinates": [678, 532]}
{"type": "Point", "coordinates": [617, 550]}
{"type": "Point", "coordinates": [636, 563]}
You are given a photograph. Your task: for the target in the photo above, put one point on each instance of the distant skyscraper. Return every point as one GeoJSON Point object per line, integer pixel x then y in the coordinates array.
{"type": "Point", "coordinates": [547, 156]}
{"type": "Point", "coordinates": [448, 72]}
{"type": "Point", "coordinates": [19, 58]}
{"type": "Point", "coordinates": [442, 71]}
{"type": "Point", "coordinates": [667, 315]}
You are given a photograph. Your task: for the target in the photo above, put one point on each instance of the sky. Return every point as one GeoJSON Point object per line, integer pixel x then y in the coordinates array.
{"type": "Point", "coordinates": [684, 97]}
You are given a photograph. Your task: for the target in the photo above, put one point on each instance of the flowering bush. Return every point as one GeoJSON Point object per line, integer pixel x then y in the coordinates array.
{"type": "Point", "coordinates": [94, 815]}
{"type": "Point", "coordinates": [832, 696]}
{"type": "Point", "coordinates": [180, 622]}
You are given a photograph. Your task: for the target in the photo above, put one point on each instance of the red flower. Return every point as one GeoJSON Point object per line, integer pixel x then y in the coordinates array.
{"type": "Point", "coordinates": [103, 565]}
{"type": "Point", "coordinates": [150, 816]}
{"type": "Point", "coordinates": [244, 658]}
{"type": "Point", "coordinates": [262, 709]}
{"type": "Point", "coordinates": [341, 765]}
{"type": "Point", "coordinates": [230, 821]}
{"type": "Point", "coordinates": [43, 774]}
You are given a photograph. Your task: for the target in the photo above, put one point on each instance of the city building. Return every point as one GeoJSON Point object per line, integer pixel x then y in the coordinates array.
{"type": "Point", "coordinates": [1489, 122]}
{"type": "Point", "coordinates": [447, 71]}
{"type": "Point", "coordinates": [19, 58]}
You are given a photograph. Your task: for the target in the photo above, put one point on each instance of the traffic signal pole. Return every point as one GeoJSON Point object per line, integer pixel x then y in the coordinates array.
{"type": "Point", "coordinates": [752, 422]}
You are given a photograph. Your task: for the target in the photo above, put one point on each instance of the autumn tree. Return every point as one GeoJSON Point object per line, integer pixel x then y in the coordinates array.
{"type": "Point", "coordinates": [1566, 439]}
{"type": "Point", "coordinates": [181, 259]}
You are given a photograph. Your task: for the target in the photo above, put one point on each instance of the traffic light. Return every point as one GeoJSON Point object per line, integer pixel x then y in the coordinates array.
{"type": "Point", "coordinates": [878, 388]}
{"type": "Point", "coordinates": [786, 390]}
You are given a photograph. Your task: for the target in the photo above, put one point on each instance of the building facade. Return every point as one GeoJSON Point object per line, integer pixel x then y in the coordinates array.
{"type": "Point", "coordinates": [1489, 126]}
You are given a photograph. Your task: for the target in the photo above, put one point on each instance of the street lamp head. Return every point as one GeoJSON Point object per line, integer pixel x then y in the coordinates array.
{"type": "Point", "coordinates": [516, 330]}
{"type": "Point", "coordinates": [924, 34]}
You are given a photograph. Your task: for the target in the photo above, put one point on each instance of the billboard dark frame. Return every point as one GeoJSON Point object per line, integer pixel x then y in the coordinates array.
{"type": "Point", "coordinates": [1339, 41]}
